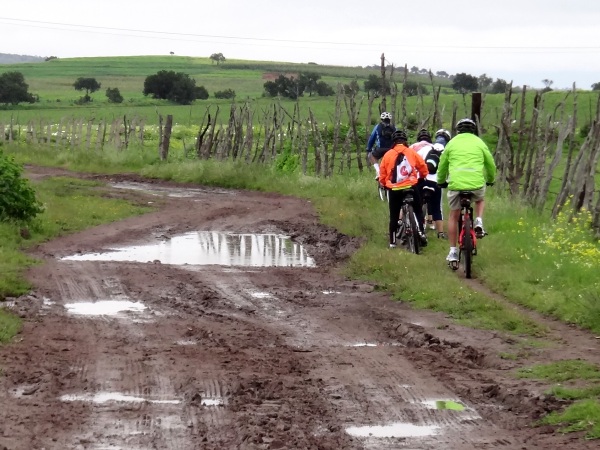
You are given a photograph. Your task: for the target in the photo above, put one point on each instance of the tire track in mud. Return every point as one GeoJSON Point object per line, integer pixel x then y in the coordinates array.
{"type": "Point", "coordinates": [370, 384]}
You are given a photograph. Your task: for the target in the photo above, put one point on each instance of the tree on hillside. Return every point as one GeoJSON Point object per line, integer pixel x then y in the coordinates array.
{"type": "Point", "coordinates": [114, 95]}
{"type": "Point", "coordinates": [176, 87]}
{"type": "Point", "coordinates": [499, 86]}
{"type": "Point", "coordinates": [464, 83]}
{"type": "Point", "coordinates": [484, 82]}
{"type": "Point", "coordinates": [374, 84]}
{"type": "Point", "coordinates": [414, 69]}
{"type": "Point", "coordinates": [89, 85]}
{"type": "Point", "coordinates": [14, 90]}
{"type": "Point", "coordinates": [217, 58]}
{"type": "Point", "coordinates": [596, 87]}
{"type": "Point", "coordinates": [324, 89]}
{"type": "Point", "coordinates": [547, 85]}
{"type": "Point", "coordinates": [442, 73]}
{"type": "Point", "coordinates": [284, 87]}
{"type": "Point", "coordinates": [309, 81]}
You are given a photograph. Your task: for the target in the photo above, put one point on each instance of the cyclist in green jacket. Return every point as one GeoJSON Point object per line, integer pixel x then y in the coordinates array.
{"type": "Point", "coordinates": [465, 165]}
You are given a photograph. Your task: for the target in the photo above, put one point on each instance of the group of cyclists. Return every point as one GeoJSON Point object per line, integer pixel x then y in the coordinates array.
{"type": "Point", "coordinates": [460, 163]}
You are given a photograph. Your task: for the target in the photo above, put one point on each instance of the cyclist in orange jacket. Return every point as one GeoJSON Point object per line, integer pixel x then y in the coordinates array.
{"type": "Point", "coordinates": [397, 173]}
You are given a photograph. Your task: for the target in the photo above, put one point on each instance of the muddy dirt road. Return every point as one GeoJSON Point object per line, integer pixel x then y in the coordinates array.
{"type": "Point", "coordinates": [207, 328]}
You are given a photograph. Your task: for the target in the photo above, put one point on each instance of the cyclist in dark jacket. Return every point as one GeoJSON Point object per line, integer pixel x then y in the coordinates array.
{"type": "Point", "coordinates": [380, 140]}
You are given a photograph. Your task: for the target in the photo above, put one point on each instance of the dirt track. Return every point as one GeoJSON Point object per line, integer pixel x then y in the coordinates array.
{"type": "Point", "coordinates": [251, 357]}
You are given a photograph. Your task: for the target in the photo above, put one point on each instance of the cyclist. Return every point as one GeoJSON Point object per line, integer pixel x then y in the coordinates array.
{"type": "Point", "coordinates": [423, 140]}
{"type": "Point", "coordinates": [380, 140]}
{"type": "Point", "coordinates": [431, 155]}
{"type": "Point", "coordinates": [442, 136]}
{"type": "Point", "coordinates": [400, 169]}
{"type": "Point", "coordinates": [465, 165]}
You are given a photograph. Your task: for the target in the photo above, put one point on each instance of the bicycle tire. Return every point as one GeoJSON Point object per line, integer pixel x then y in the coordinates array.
{"type": "Point", "coordinates": [467, 247]}
{"type": "Point", "coordinates": [414, 231]}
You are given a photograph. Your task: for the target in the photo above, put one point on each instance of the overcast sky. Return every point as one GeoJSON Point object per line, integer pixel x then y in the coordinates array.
{"type": "Point", "coordinates": [524, 41]}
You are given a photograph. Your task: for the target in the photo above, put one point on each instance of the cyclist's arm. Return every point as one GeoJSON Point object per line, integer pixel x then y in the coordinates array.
{"type": "Point", "coordinates": [372, 139]}
{"type": "Point", "coordinates": [489, 166]}
{"type": "Point", "coordinates": [385, 167]}
{"type": "Point", "coordinates": [442, 172]}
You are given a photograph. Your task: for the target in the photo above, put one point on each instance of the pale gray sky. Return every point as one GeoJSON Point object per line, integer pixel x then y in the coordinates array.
{"type": "Point", "coordinates": [525, 41]}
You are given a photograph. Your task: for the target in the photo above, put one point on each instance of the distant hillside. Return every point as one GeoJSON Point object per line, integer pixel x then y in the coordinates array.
{"type": "Point", "coordinates": [7, 58]}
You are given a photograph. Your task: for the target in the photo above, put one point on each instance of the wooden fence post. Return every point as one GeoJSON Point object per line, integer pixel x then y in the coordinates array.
{"type": "Point", "coordinates": [166, 138]}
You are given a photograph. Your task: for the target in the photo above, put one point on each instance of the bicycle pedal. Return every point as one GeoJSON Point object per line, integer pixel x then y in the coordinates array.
{"type": "Point", "coordinates": [453, 265]}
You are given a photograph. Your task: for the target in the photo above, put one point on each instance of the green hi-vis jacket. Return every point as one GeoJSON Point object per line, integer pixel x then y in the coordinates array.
{"type": "Point", "coordinates": [466, 164]}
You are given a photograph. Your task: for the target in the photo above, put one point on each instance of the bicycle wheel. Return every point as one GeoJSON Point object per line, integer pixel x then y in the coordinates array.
{"type": "Point", "coordinates": [413, 238]}
{"type": "Point", "coordinates": [467, 247]}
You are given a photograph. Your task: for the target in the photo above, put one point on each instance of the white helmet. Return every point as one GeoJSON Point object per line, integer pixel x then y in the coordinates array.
{"type": "Point", "coordinates": [386, 115]}
{"type": "Point", "coordinates": [445, 133]}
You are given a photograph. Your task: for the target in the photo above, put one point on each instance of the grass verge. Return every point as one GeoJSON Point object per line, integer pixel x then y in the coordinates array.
{"type": "Point", "coordinates": [584, 413]}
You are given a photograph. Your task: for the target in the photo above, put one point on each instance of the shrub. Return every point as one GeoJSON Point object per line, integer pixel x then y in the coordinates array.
{"type": "Point", "coordinates": [114, 95]}
{"type": "Point", "coordinates": [17, 197]}
{"type": "Point", "coordinates": [227, 93]}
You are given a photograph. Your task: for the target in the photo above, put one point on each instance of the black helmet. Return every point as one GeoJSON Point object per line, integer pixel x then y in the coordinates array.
{"type": "Point", "coordinates": [399, 136]}
{"type": "Point", "coordinates": [466, 126]}
{"type": "Point", "coordinates": [423, 135]}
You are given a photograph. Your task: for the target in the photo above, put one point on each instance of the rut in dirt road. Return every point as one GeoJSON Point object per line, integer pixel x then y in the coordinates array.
{"type": "Point", "coordinates": [252, 341]}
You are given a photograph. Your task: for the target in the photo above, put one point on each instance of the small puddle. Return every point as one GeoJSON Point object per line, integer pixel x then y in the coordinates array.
{"type": "Point", "coordinates": [104, 308]}
{"type": "Point", "coordinates": [376, 344]}
{"type": "Point", "coordinates": [212, 402]}
{"type": "Point", "coordinates": [445, 404]}
{"type": "Point", "coordinates": [211, 248]}
{"type": "Point", "coordinates": [393, 430]}
{"type": "Point", "coordinates": [106, 397]}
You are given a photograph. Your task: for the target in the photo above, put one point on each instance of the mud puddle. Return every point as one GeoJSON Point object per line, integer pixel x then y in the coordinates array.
{"type": "Point", "coordinates": [211, 248]}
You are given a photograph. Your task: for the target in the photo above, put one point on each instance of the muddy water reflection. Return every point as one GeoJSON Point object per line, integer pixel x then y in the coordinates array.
{"type": "Point", "coordinates": [210, 247]}
{"type": "Point", "coordinates": [394, 430]}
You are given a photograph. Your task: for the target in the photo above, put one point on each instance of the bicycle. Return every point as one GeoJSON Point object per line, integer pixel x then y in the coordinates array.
{"type": "Point", "coordinates": [467, 237]}
{"type": "Point", "coordinates": [408, 227]}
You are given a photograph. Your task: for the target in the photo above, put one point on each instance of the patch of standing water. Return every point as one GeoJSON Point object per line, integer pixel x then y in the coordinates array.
{"type": "Point", "coordinates": [211, 248]}
{"type": "Point", "coordinates": [106, 397]}
{"type": "Point", "coordinates": [445, 404]}
{"type": "Point", "coordinates": [393, 430]}
{"type": "Point", "coordinates": [104, 308]}
{"type": "Point", "coordinates": [212, 402]}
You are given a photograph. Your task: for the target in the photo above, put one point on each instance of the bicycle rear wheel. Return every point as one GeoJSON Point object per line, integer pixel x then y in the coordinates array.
{"type": "Point", "coordinates": [467, 247]}
{"type": "Point", "coordinates": [414, 242]}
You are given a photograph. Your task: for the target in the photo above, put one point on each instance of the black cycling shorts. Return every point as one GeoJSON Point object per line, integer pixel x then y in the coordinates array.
{"type": "Point", "coordinates": [379, 152]}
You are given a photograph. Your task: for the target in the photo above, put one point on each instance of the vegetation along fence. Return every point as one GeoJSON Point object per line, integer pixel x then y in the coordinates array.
{"type": "Point", "coordinates": [543, 155]}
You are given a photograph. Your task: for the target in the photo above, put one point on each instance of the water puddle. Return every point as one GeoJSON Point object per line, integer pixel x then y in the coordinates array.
{"type": "Point", "coordinates": [186, 342]}
{"type": "Point", "coordinates": [108, 397]}
{"type": "Point", "coordinates": [211, 248]}
{"type": "Point", "coordinates": [445, 404]}
{"type": "Point", "coordinates": [393, 430]}
{"type": "Point", "coordinates": [260, 294]}
{"type": "Point", "coordinates": [212, 402]}
{"type": "Point", "coordinates": [331, 292]}
{"type": "Point", "coordinates": [376, 344]}
{"type": "Point", "coordinates": [169, 191]}
{"type": "Point", "coordinates": [104, 308]}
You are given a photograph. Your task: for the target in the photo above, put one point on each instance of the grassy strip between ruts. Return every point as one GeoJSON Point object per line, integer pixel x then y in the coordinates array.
{"type": "Point", "coordinates": [71, 205]}
{"type": "Point", "coordinates": [582, 415]}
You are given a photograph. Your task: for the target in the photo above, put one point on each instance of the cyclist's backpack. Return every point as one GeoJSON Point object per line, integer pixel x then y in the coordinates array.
{"type": "Point", "coordinates": [432, 159]}
{"type": "Point", "coordinates": [402, 169]}
{"type": "Point", "coordinates": [385, 135]}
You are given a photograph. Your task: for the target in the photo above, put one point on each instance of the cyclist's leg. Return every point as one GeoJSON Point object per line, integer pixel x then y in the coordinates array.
{"type": "Point", "coordinates": [418, 207]}
{"type": "Point", "coordinates": [454, 205]}
{"type": "Point", "coordinates": [376, 155]}
{"type": "Point", "coordinates": [395, 204]}
{"type": "Point", "coordinates": [478, 197]}
{"type": "Point", "coordinates": [435, 206]}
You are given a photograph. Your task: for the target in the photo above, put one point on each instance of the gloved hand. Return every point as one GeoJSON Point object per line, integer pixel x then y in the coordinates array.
{"type": "Point", "coordinates": [443, 185]}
